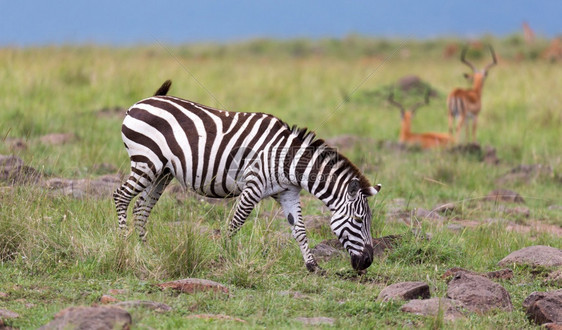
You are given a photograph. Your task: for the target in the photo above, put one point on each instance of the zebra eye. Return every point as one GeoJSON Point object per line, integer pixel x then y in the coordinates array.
{"type": "Point", "coordinates": [358, 219]}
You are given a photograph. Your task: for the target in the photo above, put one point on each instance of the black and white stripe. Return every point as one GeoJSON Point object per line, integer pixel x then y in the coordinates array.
{"type": "Point", "coordinates": [251, 155]}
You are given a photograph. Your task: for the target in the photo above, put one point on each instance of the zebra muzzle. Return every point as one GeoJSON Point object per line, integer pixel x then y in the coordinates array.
{"type": "Point", "coordinates": [364, 260]}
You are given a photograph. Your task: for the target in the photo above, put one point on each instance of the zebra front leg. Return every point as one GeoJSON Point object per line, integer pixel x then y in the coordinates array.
{"type": "Point", "coordinates": [146, 202]}
{"type": "Point", "coordinates": [290, 202]}
{"type": "Point", "coordinates": [249, 198]}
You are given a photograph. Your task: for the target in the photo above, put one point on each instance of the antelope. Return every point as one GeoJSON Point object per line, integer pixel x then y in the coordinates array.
{"type": "Point", "coordinates": [463, 102]}
{"type": "Point", "coordinates": [425, 140]}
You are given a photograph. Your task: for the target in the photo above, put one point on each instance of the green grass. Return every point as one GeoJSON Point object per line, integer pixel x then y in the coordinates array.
{"type": "Point", "coordinates": [57, 252]}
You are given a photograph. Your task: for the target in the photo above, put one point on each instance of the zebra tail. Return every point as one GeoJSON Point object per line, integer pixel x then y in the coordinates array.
{"type": "Point", "coordinates": [163, 90]}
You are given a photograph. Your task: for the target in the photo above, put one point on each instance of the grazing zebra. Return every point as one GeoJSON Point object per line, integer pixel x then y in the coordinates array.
{"type": "Point", "coordinates": [251, 155]}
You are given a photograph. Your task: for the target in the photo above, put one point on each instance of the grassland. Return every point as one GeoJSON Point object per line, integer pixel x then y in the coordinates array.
{"type": "Point", "coordinates": [58, 251]}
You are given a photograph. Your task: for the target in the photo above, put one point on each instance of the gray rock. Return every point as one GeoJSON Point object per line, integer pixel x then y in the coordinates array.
{"type": "Point", "coordinates": [477, 293]}
{"type": "Point", "coordinates": [504, 195]}
{"type": "Point", "coordinates": [14, 171]}
{"type": "Point", "coordinates": [55, 139]}
{"type": "Point", "coordinates": [544, 307]}
{"type": "Point", "coordinates": [422, 213]}
{"type": "Point", "coordinates": [525, 173]}
{"type": "Point", "coordinates": [452, 309]}
{"type": "Point", "coordinates": [405, 291]}
{"type": "Point", "coordinates": [8, 314]}
{"type": "Point", "coordinates": [538, 255]}
{"type": "Point", "coordinates": [446, 208]}
{"type": "Point", "coordinates": [327, 249]}
{"type": "Point", "coordinates": [103, 317]}
{"type": "Point", "coordinates": [100, 187]}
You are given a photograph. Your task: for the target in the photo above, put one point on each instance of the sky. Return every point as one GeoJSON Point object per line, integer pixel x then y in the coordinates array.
{"type": "Point", "coordinates": [122, 23]}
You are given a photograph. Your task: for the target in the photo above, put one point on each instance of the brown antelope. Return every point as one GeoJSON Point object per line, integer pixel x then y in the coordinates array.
{"type": "Point", "coordinates": [463, 102]}
{"type": "Point", "coordinates": [425, 140]}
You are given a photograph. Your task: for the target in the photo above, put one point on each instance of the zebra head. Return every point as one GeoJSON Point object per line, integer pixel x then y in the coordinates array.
{"type": "Point", "coordinates": [351, 222]}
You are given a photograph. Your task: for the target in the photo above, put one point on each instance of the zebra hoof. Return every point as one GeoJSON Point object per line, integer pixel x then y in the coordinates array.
{"type": "Point", "coordinates": [314, 268]}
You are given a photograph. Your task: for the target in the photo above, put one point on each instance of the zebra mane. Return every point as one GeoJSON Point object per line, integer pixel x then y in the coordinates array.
{"type": "Point", "coordinates": [309, 138]}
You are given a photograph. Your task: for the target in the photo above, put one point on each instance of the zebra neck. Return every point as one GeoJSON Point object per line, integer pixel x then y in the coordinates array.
{"type": "Point", "coordinates": [323, 172]}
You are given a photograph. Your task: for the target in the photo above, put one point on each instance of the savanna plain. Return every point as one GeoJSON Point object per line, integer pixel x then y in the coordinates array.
{"type": "Point", "coordinates": [57, 250]}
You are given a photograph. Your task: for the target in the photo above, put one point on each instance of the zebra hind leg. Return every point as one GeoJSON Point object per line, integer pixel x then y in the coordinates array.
{"type": "Point", "coordinates": [249, 198]}
{"type": "Point", "coordinates": [146, 202]}
{"type": "Point", "coordinates": [122, 197]}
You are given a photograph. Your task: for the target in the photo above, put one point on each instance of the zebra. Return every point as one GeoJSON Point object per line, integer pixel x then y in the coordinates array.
{"type": "Point", "coordinates": [251, 156]}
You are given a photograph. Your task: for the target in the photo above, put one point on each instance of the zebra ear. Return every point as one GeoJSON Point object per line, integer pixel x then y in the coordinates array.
{"type": "Point", "coordinates": [353, 189]}
{"type": "Point", "coordinates": [372, 191]}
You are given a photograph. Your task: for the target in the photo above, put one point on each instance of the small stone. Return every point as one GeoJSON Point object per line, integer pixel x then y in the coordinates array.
{"type": "Point", "coordinates": [431, 307]}
{"type": "Point", "coordinates": [99, 317]}
{"type": "Point", "coordinates": [538, 255]}
{"type": "Point", "coordinates": [504, 195]}
{"type": "Point", "coordinates": [544, 307]}
{"type": "Point", "coordinates": [8, 314]}
{"type": "Point", "coordinates": [107, 299]}
{"type": "Point", "coordinates": [316, 320]}
{"type": "Point", "coordinates": [155, 306]}
{"type": "Point", "coordinates": [478, 293]}
{"type": "Point", "coordinates": [455, 227]}
{"type": "Point", "coordinates": [405, 291]}
{"type": "Point", "coordinates": [55, 139]}
{"type": "Point", "coordinates": [327, 249]}
{"type": "Point", "coordinates": [446, 208]}
{"type": "Point", "coordinates": [191, 285]}
{"type": "Point", "coordinates": [383, 244]}
{"type": "Point", "coordinates": [426, 214]}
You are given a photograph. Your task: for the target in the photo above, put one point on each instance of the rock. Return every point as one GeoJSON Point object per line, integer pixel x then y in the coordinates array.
{"type": "Point", "coordinates": [191, 285]}
{"type": "Point", "coordinates": [555, 207]}
{"type": "Point", "coordinates": [155, 306]}
{"type": "Point", "coordinates": [490, 156]}
{"type": "Point", "coordinates": [13, 171]}
{"type": "Point", "coordinates": [431, 307]}
{"type": "Point", "coordinates": [477, 293]}
{"type": "Point", "coordinates": [519, 211]}
{"type": "Point", "coordinates": [100, 187]}
{"type": "Point", "coordinates": [316, 320]}
{"type": "Point", "coordinates": [446, 208]}
{"type": "Point", "coordinates": [101, 317]}
{"type": "Point", "coordinates": [504, 195]}
{"type": "Point", "coordinates": [544, 307]}
{"type": "Point", "coordinates": [327, 249]}
{"type": "Point", "coordinates": [524, 174]}
{"type": "Point", "coordinates": [552, 326]}
{"type": "Point", "coordinates": [405, 291]}
{"type": "Point", "coordinates": [382, 244]}
{"type": "Point", "coordinates": [498, 274]}
{"type": "Point", "coordinates": [316, 222]}
{"type": "Point", "coordinates": [504, 274]}
{"type": "Point", "coordinates": [8, 314]}
{"type": "Point", "coordinates": [215, 317]}
{"type": "Point", "coordinates": [15, 144]}
{"type": "Point", "coordinates": [555, 277]}
{"type": "Point", "coordinates": [107, 299]}
{"type": "Point", "coordinates": [426, 214]}
{"type": "Point", "coordinates": [396, 211]}
{"type": "Point", "coordinates": [455, 227]}
{"type": "Point", "coordinates": [55, 139]}
{"type": "Point", "coordinates": [538, 255]}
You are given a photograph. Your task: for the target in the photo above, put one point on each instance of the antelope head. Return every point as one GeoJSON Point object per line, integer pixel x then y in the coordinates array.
{"type": "Point", "coordinates": [478, 75]}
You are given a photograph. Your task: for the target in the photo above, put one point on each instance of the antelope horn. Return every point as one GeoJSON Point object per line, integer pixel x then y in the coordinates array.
{"type": "Point", "coordinates": [463, 59]}
{"type": "Point", "coordinates": [495, 61]}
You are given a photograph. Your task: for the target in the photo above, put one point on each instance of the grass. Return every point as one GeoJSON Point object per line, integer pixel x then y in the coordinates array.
{"type": "Point", "coordinates": [57, 252]}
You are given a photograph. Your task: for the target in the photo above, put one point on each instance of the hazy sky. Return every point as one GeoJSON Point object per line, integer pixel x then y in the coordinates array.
{"type": "Point", "coordinates": [26, 22]}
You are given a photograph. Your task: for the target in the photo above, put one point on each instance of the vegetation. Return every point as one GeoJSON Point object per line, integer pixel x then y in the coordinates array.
{"type": "Point", "coordinates": [57, 251]}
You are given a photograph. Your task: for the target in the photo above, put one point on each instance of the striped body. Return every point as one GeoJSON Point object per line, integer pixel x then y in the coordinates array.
{"type": "Point", "coordinates": [251, 155]}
